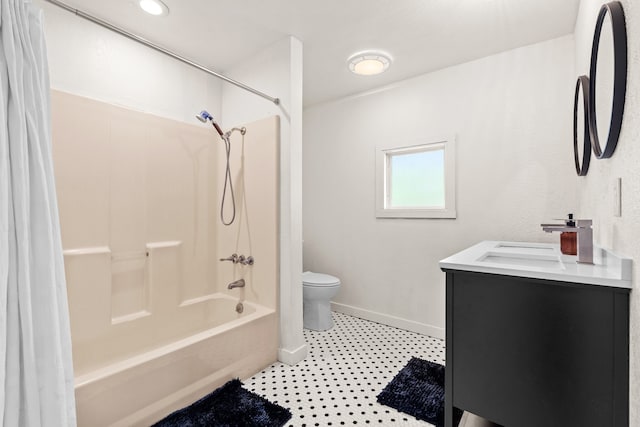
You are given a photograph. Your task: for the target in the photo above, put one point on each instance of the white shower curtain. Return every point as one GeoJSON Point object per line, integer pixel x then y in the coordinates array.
{"type": "Point", "coordinates": [36, 372]}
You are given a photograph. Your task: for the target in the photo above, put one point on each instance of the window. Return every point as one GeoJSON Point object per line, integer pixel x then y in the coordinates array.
{"type": "Point", "coordinates": [416, 181]}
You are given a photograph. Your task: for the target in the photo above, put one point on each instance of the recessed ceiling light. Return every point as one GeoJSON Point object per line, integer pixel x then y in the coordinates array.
{"type": "Point", "coordinates": [154, 7]}
{"type": "Point", "coordinates": [369, 63]}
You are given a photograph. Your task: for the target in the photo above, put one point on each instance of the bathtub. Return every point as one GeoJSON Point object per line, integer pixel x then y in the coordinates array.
{"type": "Point", "coordinates": [173, 367]}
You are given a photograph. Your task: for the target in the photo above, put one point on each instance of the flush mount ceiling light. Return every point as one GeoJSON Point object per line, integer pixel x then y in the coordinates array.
{"type": "Point", "coordinates": [154, 7]}
{"type": "Point", "coordinates": [369, 63]}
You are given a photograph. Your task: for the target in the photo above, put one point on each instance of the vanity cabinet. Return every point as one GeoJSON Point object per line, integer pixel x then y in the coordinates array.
{"type": "Point", "coordinates": [531, 352]}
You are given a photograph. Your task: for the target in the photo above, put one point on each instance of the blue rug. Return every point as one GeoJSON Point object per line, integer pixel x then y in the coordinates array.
{"type": "Point", "coordinates": [229, 406]}
{"type": "Point", "coordinates": [418, 390]}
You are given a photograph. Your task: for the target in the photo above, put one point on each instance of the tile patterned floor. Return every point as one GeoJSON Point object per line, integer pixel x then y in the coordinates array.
{"type": "Point", "coordinates": [347, 367]}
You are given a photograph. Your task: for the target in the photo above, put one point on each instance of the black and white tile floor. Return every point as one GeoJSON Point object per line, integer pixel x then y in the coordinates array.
{"type": "Point", "coordinates": [347, 367]}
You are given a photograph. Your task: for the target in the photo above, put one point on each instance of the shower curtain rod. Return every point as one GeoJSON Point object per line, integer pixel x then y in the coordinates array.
{"type": "Point", "coordinates": [154, 46]}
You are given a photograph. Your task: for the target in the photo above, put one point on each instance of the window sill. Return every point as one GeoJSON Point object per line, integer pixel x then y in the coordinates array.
{"type": "Point", "coordinates": [416, 213]}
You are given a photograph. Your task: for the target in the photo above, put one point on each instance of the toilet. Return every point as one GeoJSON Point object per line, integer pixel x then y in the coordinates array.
{"type": "Point", "coordinates": [317, 291]}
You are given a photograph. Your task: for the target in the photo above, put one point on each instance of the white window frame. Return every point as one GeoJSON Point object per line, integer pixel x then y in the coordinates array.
{"type": "Point", "coordinates": [382, 166]}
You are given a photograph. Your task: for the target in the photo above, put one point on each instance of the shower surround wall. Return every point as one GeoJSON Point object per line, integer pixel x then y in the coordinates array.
{"type": "Point", "coordinates": [139, 208]}
{"type": "Point", "coordinates": [277, 69]}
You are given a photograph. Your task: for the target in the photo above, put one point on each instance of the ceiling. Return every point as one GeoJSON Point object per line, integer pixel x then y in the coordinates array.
{"type": "Point", "coordinates": [420, 35]}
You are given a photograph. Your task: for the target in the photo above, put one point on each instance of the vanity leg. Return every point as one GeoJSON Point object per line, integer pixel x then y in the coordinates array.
{"type": "Point", "coordinates": [621, 359]}
{"type": "Point", "coordinates": [448, 377]}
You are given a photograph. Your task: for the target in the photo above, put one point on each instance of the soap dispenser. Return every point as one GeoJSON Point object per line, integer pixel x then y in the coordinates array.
{"type": "Point", "coordinates": [569, 239]}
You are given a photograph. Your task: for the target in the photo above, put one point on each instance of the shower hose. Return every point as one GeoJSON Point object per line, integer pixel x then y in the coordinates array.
{"type": "Point", "coordinates": [227, 184]}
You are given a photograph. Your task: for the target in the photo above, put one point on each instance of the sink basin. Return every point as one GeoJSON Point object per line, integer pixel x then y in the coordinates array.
{"type": "Point", "coordinates": [536, 260]}
{"type": "Point", "coordinates": [529, 248]}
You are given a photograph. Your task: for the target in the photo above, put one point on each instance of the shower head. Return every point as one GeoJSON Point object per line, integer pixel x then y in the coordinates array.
{"type": "Point", "coordinates": [204, 116]}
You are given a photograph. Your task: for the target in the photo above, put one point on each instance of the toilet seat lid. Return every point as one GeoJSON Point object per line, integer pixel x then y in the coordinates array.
{"type": "Point", "coordinates": [310, 278]}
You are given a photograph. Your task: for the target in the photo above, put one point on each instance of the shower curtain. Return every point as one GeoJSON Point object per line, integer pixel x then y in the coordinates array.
{"type": "Point", "coordinates": [36, 372]}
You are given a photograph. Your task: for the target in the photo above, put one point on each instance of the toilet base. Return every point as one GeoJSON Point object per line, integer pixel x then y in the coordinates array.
{"type": "Point", "coordinates": [317, 315]}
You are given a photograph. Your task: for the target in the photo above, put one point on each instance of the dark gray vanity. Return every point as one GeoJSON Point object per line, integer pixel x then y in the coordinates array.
{"type": "Point", "coordinates": [534, 339]}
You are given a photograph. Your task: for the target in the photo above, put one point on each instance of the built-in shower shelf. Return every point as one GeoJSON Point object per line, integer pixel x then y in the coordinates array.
{"type": "Point", "coordinates": [130, 317]}
{"type": "Point", "coordinates": [94, 250]}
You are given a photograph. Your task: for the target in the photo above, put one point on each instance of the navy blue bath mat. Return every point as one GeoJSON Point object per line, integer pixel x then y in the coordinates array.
{"type": "Point", "coordinates": [418, 390]}
{"type": "Point", "coordinates": [229, 406]}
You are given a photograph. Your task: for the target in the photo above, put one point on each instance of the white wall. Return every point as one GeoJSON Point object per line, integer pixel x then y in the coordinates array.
{"type": "Point", "coordinates": [595, 196]}
{"type": "Point", "coordinates": [512, 115]}
{"type": "Point", "coordinates": [88, 60]}
{"type": "Point", "coordinates": [277, 71]}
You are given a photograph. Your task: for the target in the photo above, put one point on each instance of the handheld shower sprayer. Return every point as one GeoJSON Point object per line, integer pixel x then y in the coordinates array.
{"type": "Point", "coordinates": [204, 116]}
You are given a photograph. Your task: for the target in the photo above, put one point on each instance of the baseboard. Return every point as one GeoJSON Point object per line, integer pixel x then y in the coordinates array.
{"type": "Point", "coordinates": [293, 357]}
{"type": "Point", "coordinates": [385, 319]}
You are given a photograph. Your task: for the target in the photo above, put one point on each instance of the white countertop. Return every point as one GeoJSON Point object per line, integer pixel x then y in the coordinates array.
{"type": "Point", "coordinates": [542, 261]}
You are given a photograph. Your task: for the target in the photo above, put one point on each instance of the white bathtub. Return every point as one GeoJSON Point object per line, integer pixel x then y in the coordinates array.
{"type": "Point", "coordinates": [139, 389]}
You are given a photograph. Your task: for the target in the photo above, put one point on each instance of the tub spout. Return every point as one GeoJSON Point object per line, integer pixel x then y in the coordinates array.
{"type": "Point", "coordinates": [237, 284]}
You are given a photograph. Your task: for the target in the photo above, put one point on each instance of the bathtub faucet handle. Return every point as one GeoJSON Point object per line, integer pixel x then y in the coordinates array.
{"type": "Point", "coordinates": [246, 260]}
{"type": "Point", "coordinates": [233, 258]}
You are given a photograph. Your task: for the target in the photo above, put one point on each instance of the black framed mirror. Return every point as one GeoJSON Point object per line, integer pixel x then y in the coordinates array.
{"type": "Point", "coordinates": [581, 138]}
{"type": "Point", "coordinates": [608, 79]}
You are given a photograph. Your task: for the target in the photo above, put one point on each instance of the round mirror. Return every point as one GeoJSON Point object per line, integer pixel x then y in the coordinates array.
{"type": "Point", "coordinates": [581, 140]}
{"type": "Point", "coordinates": [608, 79]}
